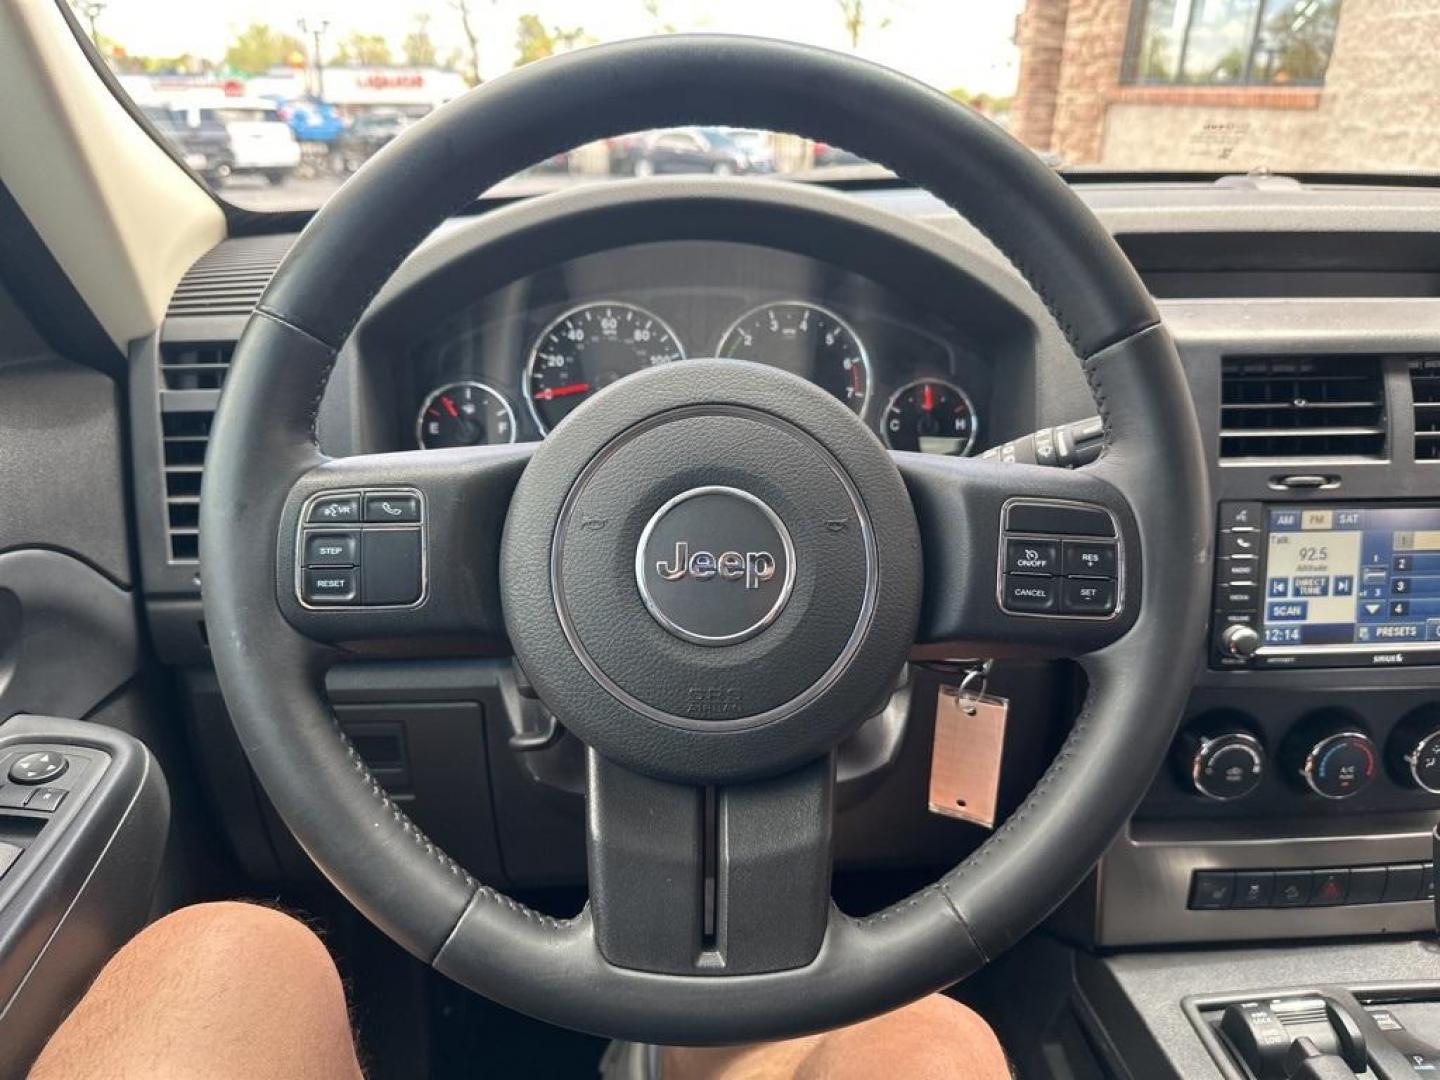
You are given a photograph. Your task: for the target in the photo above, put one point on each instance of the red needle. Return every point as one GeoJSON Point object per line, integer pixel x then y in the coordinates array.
{"type": "Point", "coordinates": [927, 398]}
{"type": "Point", "coordinates": [550, 393]}
{"type": "Point", "coordinates": [449, 405]}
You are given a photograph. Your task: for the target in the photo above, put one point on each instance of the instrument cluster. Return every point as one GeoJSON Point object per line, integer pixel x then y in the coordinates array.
{"type": "Point", "coordinates": [513, 366]}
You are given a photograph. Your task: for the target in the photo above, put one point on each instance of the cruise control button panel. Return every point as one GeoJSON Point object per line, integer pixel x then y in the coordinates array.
{"type": "Point", "coordinates": [376, 562]}
{"type": "Point", "coordinates": [1059, 559]}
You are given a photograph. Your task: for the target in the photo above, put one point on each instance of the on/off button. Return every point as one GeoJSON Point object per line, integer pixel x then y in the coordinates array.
{"type": "Point", "coordinates": [1032, 557]}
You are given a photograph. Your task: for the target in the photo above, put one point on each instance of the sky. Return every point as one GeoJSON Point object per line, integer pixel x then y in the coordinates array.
{"type": "Point", "coordinates": [947, 43]}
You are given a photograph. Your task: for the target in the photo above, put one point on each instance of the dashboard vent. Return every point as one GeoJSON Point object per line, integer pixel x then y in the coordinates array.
{"type": "Point", "coordinates": [229, 279]}
{"type": "Point", "coordinates": [1302, 407]}
{"type": "Point", "coordinates": [191, 377]}
{"type": "Point", "coordinates": [195, 367]}
{"type": "Point", "coordinates": [1425, 391]}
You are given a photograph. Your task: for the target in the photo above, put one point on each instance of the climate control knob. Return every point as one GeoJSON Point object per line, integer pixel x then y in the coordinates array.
{"type": "Point", "coordinates": [1239, 639]}
{"type": "Point", "coordinates": [1415, 750]}
{"type": "Point", "coordinates": [1339, 764]}
{"type": "Point", "coordinates": [1223, 765]}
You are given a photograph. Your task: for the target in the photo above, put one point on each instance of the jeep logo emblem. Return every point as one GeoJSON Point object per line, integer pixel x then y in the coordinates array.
{"type": "Point", "coordinates": [754, 566]}
{"type": "Point", "coordinates": [715, 565]}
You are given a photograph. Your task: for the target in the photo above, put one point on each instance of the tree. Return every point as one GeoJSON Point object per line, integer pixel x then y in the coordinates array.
{"type": "Point", "coordinates": [259, 47]}
{"type": "Point", "coordinates": [533, 41]}
{"type": "Point", "coordinates": [472, 39]}
{"type": "Point", "coordinates": [659, 24]}
{"type": "Point", "coordinates": [361, 48]}
{"type": "Point", "coordinates": [852, 12]}
{"type": "Point", "coordinates": [418, 46]}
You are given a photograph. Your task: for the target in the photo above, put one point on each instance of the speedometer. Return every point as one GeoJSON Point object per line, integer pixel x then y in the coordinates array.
{"type": "Point", "coordinates": [588, 348]}
{"type": "Point", "coordinates": [807, 340]}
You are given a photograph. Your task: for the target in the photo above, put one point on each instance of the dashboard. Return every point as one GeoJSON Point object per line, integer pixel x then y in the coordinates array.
{"type": "Point", "coordinates": [512, 364]}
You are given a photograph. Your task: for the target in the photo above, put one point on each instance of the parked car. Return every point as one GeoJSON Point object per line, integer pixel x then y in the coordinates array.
{"type": "Point", "coordinates": [366, 135]}
{"type": "Point", "coordinates": [261, 143]}
{"type": "Point", "coordinates": [204, 147]}
{"type": "Point", "coordinates": [696, 150]}
{"type": "Point", "coordinates": [824, 156]}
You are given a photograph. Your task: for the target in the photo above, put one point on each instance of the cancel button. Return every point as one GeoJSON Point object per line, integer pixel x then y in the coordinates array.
{"type": "Point", "coordinates": [1032, 557]}
{"type": "Point", "coordinates": [1031, 593]}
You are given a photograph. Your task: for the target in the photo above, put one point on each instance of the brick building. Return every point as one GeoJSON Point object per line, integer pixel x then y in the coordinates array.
{"type": "Point", "coordinates": [1221, 85]}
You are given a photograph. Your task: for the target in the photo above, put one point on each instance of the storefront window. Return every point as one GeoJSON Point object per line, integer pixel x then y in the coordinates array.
{"type": "Point", "coordinates": [1231, 42]}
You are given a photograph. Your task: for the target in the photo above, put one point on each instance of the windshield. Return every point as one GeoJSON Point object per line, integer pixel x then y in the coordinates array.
{"type": "Point", "coordinates": [306, 91]}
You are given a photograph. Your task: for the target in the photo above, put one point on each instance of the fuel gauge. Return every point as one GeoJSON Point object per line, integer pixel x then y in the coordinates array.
{"type": "Point", "coordinates": [931, 416]}
{"type": "Point", "coordinates": [464, 414]}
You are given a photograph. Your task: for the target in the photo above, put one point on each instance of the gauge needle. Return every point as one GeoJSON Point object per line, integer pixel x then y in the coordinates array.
{"type": "Point", "coordinates": [927, 398]}
{"type": "Point", "coordinates": [550, 393]}
{"type": "Point", "coordinates": [449, 405]}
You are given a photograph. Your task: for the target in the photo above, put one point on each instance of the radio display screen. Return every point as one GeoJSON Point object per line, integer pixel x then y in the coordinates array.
{"type": "Point", "coordinates": [1366, 576]}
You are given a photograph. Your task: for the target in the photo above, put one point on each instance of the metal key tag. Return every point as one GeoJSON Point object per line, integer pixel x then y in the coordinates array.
{"type": "Point", "coordinates": [965, 761]}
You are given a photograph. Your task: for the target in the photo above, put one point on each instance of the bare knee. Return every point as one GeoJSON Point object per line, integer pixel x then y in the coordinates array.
{"type": "Point", "coordinates": [228, 985]}
{"type": "Point", "coordinates": [935, 1038]}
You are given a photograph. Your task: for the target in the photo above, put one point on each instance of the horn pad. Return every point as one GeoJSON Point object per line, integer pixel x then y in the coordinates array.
{"type": "Point", "coordinates": [707, 585]}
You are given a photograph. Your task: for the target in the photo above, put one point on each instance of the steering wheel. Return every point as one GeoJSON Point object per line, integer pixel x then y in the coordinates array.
{"type": "Point", "coordinates": [711, 576]}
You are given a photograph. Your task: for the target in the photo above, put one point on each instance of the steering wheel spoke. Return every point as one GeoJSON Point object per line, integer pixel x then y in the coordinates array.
{"type": "Point", "coordinates": [728, 880]}
{"type": "Point", "coordinates": [1021, 559]}
{"type": "Point", "coordinates": [398, 553]}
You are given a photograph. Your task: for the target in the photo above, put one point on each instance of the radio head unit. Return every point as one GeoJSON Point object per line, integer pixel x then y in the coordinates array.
{"type": "Point", "coordinates": [1327, 585]}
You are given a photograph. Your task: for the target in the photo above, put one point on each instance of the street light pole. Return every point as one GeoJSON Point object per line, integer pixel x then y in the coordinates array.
{"type": "Point", "coordinates": [316, 32]}
{"type": "Point", "coordinates": [92, 11]}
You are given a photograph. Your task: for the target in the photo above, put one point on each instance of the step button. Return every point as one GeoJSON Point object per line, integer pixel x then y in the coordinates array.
{"type": "Point", "coordinates": [332, 549]}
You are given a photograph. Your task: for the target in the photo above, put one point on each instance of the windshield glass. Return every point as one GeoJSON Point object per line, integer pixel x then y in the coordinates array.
{"type": "Point", "coordinates": [276, 103]}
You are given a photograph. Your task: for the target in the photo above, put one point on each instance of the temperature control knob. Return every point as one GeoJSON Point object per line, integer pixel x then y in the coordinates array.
{"type": "Point", "coordinates": [1224, 765]}
{"type": "Point", "coordinates": [1239, 640]}
{"type": "Point", "coordinates": [1415, 750]}
{"type": "Point", "coordinates": [1339, 764]}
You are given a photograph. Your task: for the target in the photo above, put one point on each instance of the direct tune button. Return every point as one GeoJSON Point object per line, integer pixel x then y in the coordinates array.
{"type": "Point", "coordinates": [332, 549]}
{"type": "Point", "coordinates": [1031, 594]}
{"type": "Point", "coordinates": [1032, 557]}
{"type": "Point", "coordinates": [39, 767]}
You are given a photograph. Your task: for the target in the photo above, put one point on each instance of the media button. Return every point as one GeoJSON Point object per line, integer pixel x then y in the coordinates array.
{"type": "Point", "coordinates": [1238, 598]}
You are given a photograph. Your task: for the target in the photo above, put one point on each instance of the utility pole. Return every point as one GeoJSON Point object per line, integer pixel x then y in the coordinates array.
{"type": "Point", "coordinates": [316, 31]}
{"type": "Point", "coordinates": [92, 10]}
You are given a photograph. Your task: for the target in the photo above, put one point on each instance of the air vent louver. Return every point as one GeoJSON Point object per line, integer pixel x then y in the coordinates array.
{"type": "Point", "coordinates": [229, 279]}
{"type": "Point", "coordinates": [1425, 390]}
{"type": "Point", "coordinates": [192, 376]}
{"type": "Point", "coordinates": [1302, 407]}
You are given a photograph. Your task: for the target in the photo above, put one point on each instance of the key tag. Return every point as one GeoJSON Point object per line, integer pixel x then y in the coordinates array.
{"type": "Point", "coordinates": [969, 746]}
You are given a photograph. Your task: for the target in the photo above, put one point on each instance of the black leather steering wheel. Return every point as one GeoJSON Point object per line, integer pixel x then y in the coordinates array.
{"type": "Point", "coordinates": [710, 693]}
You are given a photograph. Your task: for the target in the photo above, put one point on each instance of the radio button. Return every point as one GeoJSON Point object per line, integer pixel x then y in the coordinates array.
{"type": "Point", "coordinates": [1239, 571]}
{"type": "Point", "coordinates": [1089, 559]}
{"type": "Point", "coordinates": [1032, 557]}
{"type": "Point", "coordinates": [1030, 594]}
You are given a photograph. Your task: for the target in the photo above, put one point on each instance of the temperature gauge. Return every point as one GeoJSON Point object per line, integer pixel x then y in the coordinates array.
{"type": "Point", "coordinates": [464, 414]}
{"type": "Point", "coordinates": [931, 416]}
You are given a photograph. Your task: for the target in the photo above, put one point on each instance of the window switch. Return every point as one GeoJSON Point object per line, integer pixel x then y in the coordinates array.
{"type": "Point", "coordinates": [8, 854]}
{"type": "Point", "coordinates": [46, 799]}
{"type": "Point", "coordinates": [13, 796]}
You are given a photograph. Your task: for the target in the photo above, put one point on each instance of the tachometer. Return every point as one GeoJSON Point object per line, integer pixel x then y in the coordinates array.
{"type": "Point", "coordinates": [464, 414]}
{"type": "Point", "coordinates": [807, 340]}
{"type": "Point", "coordinates": [931, 416]}
{"type": "Point", "coordinates": [587, 349]}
